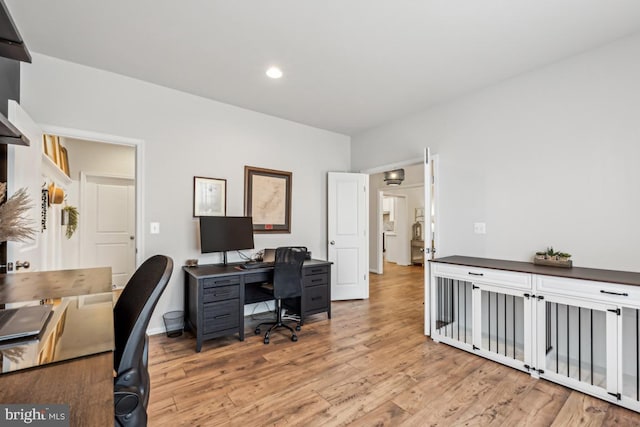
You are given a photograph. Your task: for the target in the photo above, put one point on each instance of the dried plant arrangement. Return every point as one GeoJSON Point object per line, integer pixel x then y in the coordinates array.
{"type": "Point", "coordinates": [14, 223]}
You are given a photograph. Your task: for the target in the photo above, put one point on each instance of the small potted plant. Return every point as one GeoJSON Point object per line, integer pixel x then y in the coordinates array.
{"type": "Point", "coordinates": [552, 258]}
{"type": "Point", "coordinates": [70, 217]}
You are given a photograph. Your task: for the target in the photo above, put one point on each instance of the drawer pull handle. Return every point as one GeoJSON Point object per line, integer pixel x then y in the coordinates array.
{"type": "Point", "coordinates": [317, 270]}
{"type": "Point", "coordinates": [221, 282]}
{"type": "Point", "coordinates": [476, 274]}
{"type": "Point", "coordinates": [222, 316]}
{"type": "Point", "coordinates": [623, 294]}
{"type": "Point", "coordinates": [316, 280]}
{"type": "Point", "coordinates": [315, 298]}
{"type": "Point", "coordinates": [223, 293]}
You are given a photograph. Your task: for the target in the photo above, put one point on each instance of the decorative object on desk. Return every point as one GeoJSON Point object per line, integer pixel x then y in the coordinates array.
{"type": "Point", "coordinates": [191, 263]}
{"type": "Point", "coordinates": [56, 194]}
{"type": "Point", "coordinates": [70, 216]}
{"type": "Point", "coordinates": [552, 258]}
{"type": "Point", "coordinates": [209, 196]}
{"type": "Point", "coordinates": [267, 199]}
{"type": "Point", "coordinates": [14, 222]}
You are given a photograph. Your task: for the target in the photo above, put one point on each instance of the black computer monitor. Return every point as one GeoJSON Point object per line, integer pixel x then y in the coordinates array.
{"type": "Point", "coordinates": [225, 233]}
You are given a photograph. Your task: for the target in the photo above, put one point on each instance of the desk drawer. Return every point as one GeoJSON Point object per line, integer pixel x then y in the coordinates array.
{"type": "Point", "coordinates": [258, 277]}
{"type": "Point", "coordinates": [220, 281]}
{"type": "Point", "coordinates": [598, 291]}
{"type": "Point", "coordinates": [315, 280]}
{"type": "Point", "coordinates": [316, 298]}
{"type": "Point", "coordinates": [221, 315]}
{"type": "Point", "coordinates": [220, 293]}
{"type": "Point", "coordinates": [479, 275]}
{"type": "Point", "coordinates": [321, 269]}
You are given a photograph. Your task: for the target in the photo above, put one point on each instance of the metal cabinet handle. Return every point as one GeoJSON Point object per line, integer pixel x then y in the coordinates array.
{"type": "Point", "coordinates": [622, 294]}
{"type": "Point", "coordinates": [333, 242]}
{"type": "Point", "coordinates": [476, 274]}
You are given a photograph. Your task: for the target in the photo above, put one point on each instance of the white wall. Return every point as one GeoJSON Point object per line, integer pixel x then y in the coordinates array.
{"type": "Point", "coordinates": [186, 136]}
{"type": "Point", "coordinates": [547, 158]}
{"type": "Point", "coordinates": [100, 158]}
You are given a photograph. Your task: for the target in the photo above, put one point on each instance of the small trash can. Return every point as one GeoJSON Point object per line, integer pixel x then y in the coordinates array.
{"type": "Point", "coordinates": [174, 323]}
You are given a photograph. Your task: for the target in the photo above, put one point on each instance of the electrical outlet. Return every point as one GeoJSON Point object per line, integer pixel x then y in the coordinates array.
{"type": "Point", "coordinates": [480, 228]}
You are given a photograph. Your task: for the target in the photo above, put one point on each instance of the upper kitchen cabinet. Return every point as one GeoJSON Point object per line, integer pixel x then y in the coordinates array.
{"type": "Point", "coordinates": [11, 43]}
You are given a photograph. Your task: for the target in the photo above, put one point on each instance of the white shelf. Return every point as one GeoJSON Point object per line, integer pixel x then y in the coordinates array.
{"type": "Point", "coordinates": [51, 171]}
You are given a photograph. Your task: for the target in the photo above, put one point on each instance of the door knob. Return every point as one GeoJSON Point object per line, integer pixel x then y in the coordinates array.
{"type": "Point", "coordinates": [131, 237]}
{"type": "Point", "coordinates": [333, 242]}
{"type": "Point", "coordinates": [22, 264]}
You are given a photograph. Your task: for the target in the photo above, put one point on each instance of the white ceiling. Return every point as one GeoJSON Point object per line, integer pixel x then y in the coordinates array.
{"type": "Point", "coordinates": [349, 64]}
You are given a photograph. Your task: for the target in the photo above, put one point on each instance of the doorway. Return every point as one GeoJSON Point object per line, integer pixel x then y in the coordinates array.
{"type": "Point", "coordinates": [105, 187]}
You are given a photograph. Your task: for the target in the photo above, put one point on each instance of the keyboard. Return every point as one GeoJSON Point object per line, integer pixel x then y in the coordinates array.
{"type": "Point", "coordinates": [252, 265]}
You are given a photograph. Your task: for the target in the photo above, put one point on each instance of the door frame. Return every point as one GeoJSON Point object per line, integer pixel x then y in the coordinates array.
{"type": "Point", "coordinates": [138, 145]}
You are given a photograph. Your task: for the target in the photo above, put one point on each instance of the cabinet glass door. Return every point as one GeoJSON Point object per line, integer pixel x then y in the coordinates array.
{"type": "Point", "coordinates": [577, 344]}
{"type": "Point", "coordinates": [504, 324]}
{"type": "Point", "coordinates": [453, 307]}
{"type": "Point", "coordinates": [630, 372]}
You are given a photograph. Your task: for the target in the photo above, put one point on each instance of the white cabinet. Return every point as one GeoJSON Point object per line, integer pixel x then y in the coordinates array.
{"type": "Point", "coordinates": [578, 332]}
{"type": "Point", "coordinates": [484, 311]}
{"type": "Point", "coordinates": [591, 332]}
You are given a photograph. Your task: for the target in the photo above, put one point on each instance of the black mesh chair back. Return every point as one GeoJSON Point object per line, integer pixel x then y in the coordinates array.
{"type": "Point", "coordinates": [287, 283]}
{"type": "Point", "coordinates": [131, 316]}
{"type": "Point", "coordinates": [287, 273]}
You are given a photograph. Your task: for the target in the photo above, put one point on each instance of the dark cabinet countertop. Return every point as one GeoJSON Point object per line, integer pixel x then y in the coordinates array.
{"type": "Point", "coordinates": [594, 274]}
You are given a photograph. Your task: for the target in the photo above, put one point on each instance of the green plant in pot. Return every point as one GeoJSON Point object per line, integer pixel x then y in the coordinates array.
{"type": "Point", "coordinates": [70, 216]}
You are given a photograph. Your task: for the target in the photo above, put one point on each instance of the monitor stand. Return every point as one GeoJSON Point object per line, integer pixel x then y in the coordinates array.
{"type": "Point", "coordinates": [224, 258]}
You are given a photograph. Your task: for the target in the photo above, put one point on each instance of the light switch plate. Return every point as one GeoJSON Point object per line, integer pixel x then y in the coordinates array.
{"type": "Point", "coordinates": [480, 228]}
{"type": "Point", "coordinates": [154, 228]}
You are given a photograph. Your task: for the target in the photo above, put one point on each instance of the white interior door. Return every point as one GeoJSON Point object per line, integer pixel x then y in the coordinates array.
{"type": "Point", "coordinates": [348, 235]}
{"type": "Point", "coordinates": [25, 171]}
{"type": "Point", "coordinates": [428, 237]}
{"type": "Point", "coordinates": [108, 235]}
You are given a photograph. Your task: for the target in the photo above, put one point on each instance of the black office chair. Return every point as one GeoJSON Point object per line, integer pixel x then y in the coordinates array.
{"type": "Point", "coordinates": [287, 283]}
{"type": "Point", "coordinates": [131, 316]}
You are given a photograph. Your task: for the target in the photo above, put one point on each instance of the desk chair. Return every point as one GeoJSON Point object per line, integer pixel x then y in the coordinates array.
{"type": "Point", "coordinates": [131, 316]}
{"type": "Point", "coordinates": [287, 283]}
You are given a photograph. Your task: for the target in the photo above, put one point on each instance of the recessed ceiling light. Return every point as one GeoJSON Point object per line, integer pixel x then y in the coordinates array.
{"type": "Point", "coordinates": [274, 72]}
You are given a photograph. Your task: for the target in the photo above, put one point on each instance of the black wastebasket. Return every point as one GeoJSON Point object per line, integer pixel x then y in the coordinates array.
{"type": "Point", "coordinates": [174, 323]}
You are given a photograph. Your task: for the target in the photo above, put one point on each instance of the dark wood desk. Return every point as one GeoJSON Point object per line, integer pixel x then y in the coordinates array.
{"type": "Point", "coordinates": [72, 362]}
{"type": "Point", "coordinates": [215, 296]}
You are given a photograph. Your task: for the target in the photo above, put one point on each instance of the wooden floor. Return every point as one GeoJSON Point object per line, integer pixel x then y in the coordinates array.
{"type": "Point", "coordinates": [370, 365]}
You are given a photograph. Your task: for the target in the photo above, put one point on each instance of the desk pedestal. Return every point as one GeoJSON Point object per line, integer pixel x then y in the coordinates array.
{"type": "Point", "coordinates": [215, 296]}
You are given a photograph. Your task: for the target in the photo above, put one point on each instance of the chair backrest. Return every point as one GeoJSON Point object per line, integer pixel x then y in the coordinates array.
{"type": "Point", "coordinates": [287, 273]}
{"type": "Point", "coordinates": [133, 310]}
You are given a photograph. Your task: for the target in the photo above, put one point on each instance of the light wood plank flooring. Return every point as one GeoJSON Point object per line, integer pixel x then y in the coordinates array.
{"type": "Point", "coordinates": [370, 365]}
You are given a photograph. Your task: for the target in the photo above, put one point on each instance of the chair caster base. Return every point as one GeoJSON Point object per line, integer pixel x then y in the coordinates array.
{"type": "Point", "coordinates": [294, 338]}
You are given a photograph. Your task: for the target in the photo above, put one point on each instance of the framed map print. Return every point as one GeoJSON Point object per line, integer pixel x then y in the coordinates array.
{"type": "Point", "coordinates": [267, 199]}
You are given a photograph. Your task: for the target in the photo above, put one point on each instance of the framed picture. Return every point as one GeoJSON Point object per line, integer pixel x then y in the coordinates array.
{"type": "Point", "coordinates": [267, 198]}
{"type": "Point", "coordinates": [64, 161]}
{"type": "Point", "coordinates": [50, 147]}
{"type": "Point", "coordinates": [209, 196]}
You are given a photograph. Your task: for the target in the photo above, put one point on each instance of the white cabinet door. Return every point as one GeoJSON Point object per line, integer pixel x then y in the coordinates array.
{"type": "Point", "coordinates": [503, 325]}
{"type": "Point", "coordinates": [452, 307]}
{"type": "Point", "coordinates": [577, 344]}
